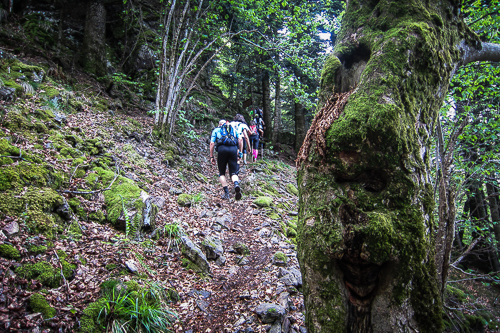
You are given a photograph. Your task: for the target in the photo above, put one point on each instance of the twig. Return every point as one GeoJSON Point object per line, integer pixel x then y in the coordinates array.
{"type": "Point", "coordinates": [471, 246]}
{"type": "Point", "coordinates": [62, 274]}
{"type": "Point", "coordinates": [74, 171]}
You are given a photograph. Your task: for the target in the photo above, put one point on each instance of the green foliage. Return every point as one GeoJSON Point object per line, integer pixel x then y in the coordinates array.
{"type": "Point", "coordinates": [140, 311]}
{"type": "Point", "coordinates": [9, 252]}
{"type": "Point", "coordinates": [38, 303]}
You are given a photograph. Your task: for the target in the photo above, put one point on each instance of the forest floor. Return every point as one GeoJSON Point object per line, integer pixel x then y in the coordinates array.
{"type": "Point", "coordinates": [223, 300]}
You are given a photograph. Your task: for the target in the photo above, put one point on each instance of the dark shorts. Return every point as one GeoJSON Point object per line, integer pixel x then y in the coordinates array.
{"type": "Point", "coordinates": [254, 141]}
{"type": "Point", "coordinates": [228, 155]}
{"type": "Point", "coordinates": [244, 146]}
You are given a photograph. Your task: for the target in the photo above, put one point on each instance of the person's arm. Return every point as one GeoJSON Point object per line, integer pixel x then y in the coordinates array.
{"type": "Point", "coordinates": [240, 144]}
{"type": "Point", "coordinates": [212, 158]}
{"type": "Point", "coordinates": [248, 140]}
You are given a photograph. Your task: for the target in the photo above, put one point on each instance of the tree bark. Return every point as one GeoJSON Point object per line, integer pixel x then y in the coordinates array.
{"type": "Point", "coordinates": [366, 229]}
{"type": "Point", "coordinates": [94, 40]}
{"type": "Point", "coordinates": [266, 103]}
{"type": "Point", "coordinates": [493, 200]}
{"type": "Point", "coordinates": [277, 112]}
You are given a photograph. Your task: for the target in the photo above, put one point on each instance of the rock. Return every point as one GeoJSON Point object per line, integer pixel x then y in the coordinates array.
{"type": "Point", "coordinates": [269, 312]}
{"type": "Point", "coordinates": [280, 259]}
{"type": "Point", "coordinates": [243, 261]}
{"type": "Point", "coordinates": [11, 229]}
{"type": "Point", "coordinates": [221, 261]}
{"type": "Point", "coordinates": [291, 277]}
{"type": "Point", "coordinates": [7, 94]}
{"type": "Point", "coordinates": [132, 267]}
{"type": "Point", "coordinates": [302, 329]}
{"type": "Point", "coordinates": [2, 236]}
{"type": "Point", "coordinates": [292, 189]}
{"type": "Point", "coordinates": [60, 118]}
{"type": "Point", "coordinates": [275, 328]}
{"type": "Point", "coordinates": [249, 330]}
{"type": "Point", "coordinates": [64, 210]}
{"type": "Point", "coordinates": [241, 248]}
{"type": "Point", "coordinates": [184, 200]}
{"type": "Point", "coordinates": [193, 253]}
{"type": "Point", "coordinates": [264, 232]}
{"type": "Point", "coordinates": [283, 299]}
{"type": "Point", "coordinates": [263, 201]}
{"type": "Point", "coordinates": [256, 212]}
{"type": "Point", "coordinates": [175, 191]}
{"type": "Point", "coordinates": [293, 213]}
{"type": "Point", "coordinates": [212, 247]}
{"type": "Point", "coordinates": [49, 145]}
{"type": "Point", "coordinates": [245, 295]}
{"type": "Point", "coordinates": [222, 220]}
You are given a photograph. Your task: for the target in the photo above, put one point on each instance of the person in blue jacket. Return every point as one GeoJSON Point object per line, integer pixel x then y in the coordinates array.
{"type": "Point", "coordinates": [227, 141]}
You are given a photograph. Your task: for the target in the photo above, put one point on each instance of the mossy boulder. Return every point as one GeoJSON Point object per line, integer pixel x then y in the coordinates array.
{"type": "Point", "coordinates": [292, 189]}
{"type": "Point", "coordinates": [123, 193]}
{"type": "Point", "coordinates": [241, 248]}
{"type": "Point", "coordinates": [41, 271]}
{"type": "Point", "coordinates": [9, 252]}
{"type": "Point", "coordinates": [24, 173]}
{"type": "Point", "coordinates": [37, 249]}
{"type": "Point", "coordinates": [38, 303]}
{"type": "Point", "coordinates": [184, 200]}
{"type": "Point", "coordinates": [263, 201]}
{"type": "Point", "coordinates": [280, 259]}
{"type": "Point", "coordinates": [38, 205]}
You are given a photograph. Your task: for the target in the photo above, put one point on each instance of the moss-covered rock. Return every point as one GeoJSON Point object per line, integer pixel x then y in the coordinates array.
{"type": "Point", "coordinates": [280, 259]}
{"type": "Point", "coordinates": [9, 252]}
{"type": "Point", "coordinates": [184, 200]}
{"type": "Point", "coordinates": [38, 205]}
{"type": "Point", "coordinates": [37, 249]}
{"type": "Point", "coordinates": [292, 189]}
{"type": "Point", "coordinates": [38, 303]}
{"type": "Point", "coordinates": [41, 271]}
{"type": "Point", "coordinates": [241, 248]}
{"type": "Point", "coordinates": [263, 201]}
{"type": "Point", "coordinates": [25, 173]}
{"type": "Point", "coordinates": [123, 192]}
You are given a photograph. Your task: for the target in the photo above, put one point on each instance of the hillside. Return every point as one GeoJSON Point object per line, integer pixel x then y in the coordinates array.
{"type": "Point", "coordinates": [90, 197]}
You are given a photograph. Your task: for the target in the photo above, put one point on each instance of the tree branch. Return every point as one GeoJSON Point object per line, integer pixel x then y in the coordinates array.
{"type": "Point", "coordinates": [486, 52]}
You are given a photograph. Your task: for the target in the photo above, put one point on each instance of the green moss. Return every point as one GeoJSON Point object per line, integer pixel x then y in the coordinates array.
{"type": "Point", "coordinates": [37, 204]}
{"type": "Point", "coordinates": [88, 320]}
{"type": "Point", "coordinates": [6, 161]}
{"type": "Point", "coordinates": [97, 216]}
{"type": "Point", "coordinates": [38, 249]}
{"type": "Point", "coordinates": [133, 156]}
{"type": "Point", "coordinates": [281, 257]}
{"type": "Point", "coordinates": [38, 303]}
{"type": "Point", "coordinates": [292, 189]}
{"type": "Point", "coordinates": [9, 252]}
{"type": "Point", "coordinates": [49, 91]}
{"type": "Point", "coordinates": [77, 208]}
{"type": "Point", "coordinates": [41, 271]}
{"type": "Point", "coordinates": [122, 188]}
{"type": "Point", "coordinates": [111, 267]}
{"type": "Point", "coordinates": [80, 173]}
{"type": "Point", "coordinates": [7, 149]}
{"type": "Point", "coordinates": [189, 265]}
{"type": "Point", "coordinates": [241, 248]}
{"type": "Point", "coordinates": [184, 200]}
{"type": "Point", "coordinates": [263, 201]}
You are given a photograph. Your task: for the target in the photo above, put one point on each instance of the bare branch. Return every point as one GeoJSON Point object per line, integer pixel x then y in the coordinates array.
{"type": "Point", "coordinates": [486, 52]}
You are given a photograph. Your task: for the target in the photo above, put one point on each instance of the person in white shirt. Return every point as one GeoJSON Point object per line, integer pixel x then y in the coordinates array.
{"type": "Point", "coordinates": [243, 131]}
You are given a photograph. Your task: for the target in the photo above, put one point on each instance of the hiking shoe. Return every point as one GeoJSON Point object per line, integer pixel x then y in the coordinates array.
{"type": "Point", "coordinates": [225, 196]}
{"type": "Point", "coordinates": [237, 190]}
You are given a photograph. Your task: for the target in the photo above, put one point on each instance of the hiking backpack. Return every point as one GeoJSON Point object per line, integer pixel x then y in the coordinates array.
{"type": "Point", "coordinates": [228, 136]}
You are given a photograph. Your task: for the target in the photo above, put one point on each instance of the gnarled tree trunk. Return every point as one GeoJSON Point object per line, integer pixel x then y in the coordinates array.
{"type": "Point", "coordinates": [366, 230]}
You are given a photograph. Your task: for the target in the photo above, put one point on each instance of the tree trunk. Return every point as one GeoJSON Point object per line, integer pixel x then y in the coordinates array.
{"type": "Point", "coordinates": [300, 125]}
{"type": "Point", "coordinates": [277, 112]}
{"type": "Point", "coordinates": [266, 103]}
{"type": "Point", "coordinates": [94, 41]}
{"type": "Point", "coordinates": [493, 200]}
{"type": "Point", "coordinates": [366, 229]}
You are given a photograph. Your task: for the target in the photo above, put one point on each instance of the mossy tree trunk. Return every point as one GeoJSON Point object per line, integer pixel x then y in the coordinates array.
{"type": "Point", "coordinates": [277, 111]}
{"type": "Point", "coordinates": [94, 40]}
{"type": "Point", "coordinates": [366, 233]}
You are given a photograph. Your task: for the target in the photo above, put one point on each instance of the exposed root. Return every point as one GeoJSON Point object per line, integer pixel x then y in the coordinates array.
{"type": "Point", "coordinates": [321, 123]}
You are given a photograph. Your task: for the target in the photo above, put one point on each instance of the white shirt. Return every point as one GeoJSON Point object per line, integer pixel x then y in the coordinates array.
{"type": "Point", "coordinates": [240, 127]}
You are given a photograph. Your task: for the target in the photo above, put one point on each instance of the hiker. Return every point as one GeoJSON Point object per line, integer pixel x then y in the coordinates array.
{"type": "Point", "coordinates": [244, 132]}
{"type": "Point", "coordinates": [254, 140]}
{"type": "Point", "coordinates": [261, 127]}
{"type": "Point", "coordinates": [226, 140]}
